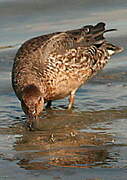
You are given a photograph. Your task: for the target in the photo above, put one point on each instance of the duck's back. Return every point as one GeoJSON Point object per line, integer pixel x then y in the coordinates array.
{"type": "Point", "coordinates": [59, 63]}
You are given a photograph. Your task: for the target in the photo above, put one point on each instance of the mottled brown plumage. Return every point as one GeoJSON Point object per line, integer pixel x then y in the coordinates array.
{"type": "Point", "coordinates": [54, 66]}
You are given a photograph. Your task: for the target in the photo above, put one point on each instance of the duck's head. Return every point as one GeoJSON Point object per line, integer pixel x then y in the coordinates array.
{"type": "Point", "coordinates": [32, 101]}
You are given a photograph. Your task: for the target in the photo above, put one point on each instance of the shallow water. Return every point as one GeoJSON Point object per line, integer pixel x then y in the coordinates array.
{"type": "Point", "coordinates": [87, 143]}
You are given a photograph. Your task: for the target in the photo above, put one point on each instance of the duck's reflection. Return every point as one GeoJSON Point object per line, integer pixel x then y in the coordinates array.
{"type": "Point", "coordinates": [58, 141]}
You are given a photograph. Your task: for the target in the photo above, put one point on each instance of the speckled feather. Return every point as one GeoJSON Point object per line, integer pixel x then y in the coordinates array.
{"type": "Point", "coordinates": [61, 62]}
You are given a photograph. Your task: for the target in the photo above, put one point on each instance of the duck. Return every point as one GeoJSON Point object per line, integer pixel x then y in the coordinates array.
{"type": "Point", "coordinates": [53, 66]}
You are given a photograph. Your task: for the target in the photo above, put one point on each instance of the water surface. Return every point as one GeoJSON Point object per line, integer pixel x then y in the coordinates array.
{"type": "Point", "coordinates": [87, 143]}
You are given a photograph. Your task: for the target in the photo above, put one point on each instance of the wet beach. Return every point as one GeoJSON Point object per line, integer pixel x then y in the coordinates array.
{"type": "Point", "coordinates": [90, 141]}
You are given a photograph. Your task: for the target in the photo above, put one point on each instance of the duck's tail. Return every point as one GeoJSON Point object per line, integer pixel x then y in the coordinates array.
{"type": "Point", "coordinates": [95, 34]}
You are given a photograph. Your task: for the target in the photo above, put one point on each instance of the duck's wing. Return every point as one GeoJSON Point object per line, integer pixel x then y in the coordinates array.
{"type": "Point", "coordinates": [84, 37]}
{"type": "Point", "coordinates": [58, 44]}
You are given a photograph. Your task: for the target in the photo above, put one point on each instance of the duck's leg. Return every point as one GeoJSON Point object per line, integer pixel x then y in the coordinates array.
{"type": "Point", "coordinates": [49, 103]}
{"type": "Point", "coordinates": [71, 99]}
